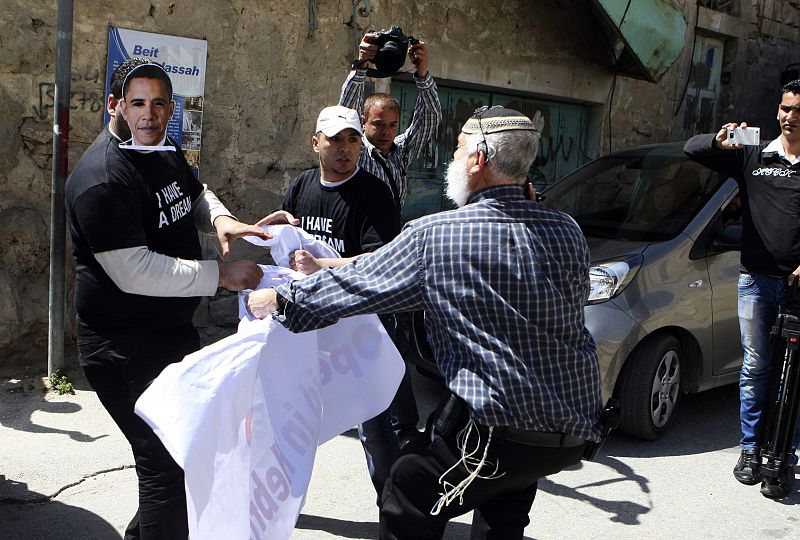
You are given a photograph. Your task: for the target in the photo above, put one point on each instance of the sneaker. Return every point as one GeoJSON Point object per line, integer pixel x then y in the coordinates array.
{"type": "Point", "coordinates": [748, 468]}
{"type": "Point", "coordinates": [780, 487]}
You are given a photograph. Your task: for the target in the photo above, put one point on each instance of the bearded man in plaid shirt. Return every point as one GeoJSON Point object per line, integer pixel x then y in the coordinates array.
{"type": "Point", "coordinates": [503, 281]}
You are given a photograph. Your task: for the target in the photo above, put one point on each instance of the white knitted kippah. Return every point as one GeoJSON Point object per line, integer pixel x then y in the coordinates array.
{"type": "Point", "coordinates": [498, 119]}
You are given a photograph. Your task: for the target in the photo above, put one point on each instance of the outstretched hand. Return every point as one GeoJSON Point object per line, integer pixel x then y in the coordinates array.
{"type": "Point", "coordinates": [239, 275]}
{"type": "Point", "coordinates": [228, 230]}
{"type": "Point", "coordinates": [279, 217]}
{"type": "Point", "coordinates": [302, 261]}
{"type": "Point", "coordinates": [262, 302]}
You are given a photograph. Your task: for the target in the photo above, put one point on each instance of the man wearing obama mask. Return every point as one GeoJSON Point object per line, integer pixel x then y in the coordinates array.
{"type": "Point", "coordinates": [134, 211]}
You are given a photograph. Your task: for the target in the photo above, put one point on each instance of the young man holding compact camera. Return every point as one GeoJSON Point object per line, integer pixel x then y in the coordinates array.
{"type": "Point", "coordinates": [769, 187]}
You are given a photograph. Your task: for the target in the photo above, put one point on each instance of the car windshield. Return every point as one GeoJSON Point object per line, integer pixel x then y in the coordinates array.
{"type": "Point", "coordinates": [646, 194]}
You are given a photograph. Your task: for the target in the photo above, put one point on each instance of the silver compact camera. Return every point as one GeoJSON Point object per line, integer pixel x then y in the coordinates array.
{"type": "Point", "coordinates": [747, 136]}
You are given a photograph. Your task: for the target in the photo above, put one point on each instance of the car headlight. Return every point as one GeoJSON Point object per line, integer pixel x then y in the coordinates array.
{"type": "Point", "coordinates": [607, 279]}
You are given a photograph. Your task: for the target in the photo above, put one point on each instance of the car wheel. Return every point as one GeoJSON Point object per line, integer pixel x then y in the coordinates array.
{"type": "Point", "coordinates": [649, 387]}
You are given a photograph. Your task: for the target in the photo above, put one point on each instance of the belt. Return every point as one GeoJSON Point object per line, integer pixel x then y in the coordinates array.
{"type": "Point", "coordinates": [535, 438]}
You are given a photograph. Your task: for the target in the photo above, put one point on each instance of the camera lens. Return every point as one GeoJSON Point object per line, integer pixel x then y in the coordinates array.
{"type": "Point", "coordinates": [390, 58]}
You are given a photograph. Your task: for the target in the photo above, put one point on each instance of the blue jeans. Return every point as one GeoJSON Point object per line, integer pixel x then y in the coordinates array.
{"type": "Point", "coordinates": [758, 309]}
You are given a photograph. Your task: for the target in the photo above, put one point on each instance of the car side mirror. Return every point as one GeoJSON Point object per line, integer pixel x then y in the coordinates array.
{"type": "Point", "coordinates": [730, 239]}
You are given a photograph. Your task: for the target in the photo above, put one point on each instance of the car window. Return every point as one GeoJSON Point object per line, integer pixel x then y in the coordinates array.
{"type": "Point", "coordinates": [732, 213]}
{"type": "Point", "coordinates": [647, 195]}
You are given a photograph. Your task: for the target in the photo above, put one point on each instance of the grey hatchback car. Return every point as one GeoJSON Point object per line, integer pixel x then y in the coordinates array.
{"type": "Point", "coordinates": [663, 232]}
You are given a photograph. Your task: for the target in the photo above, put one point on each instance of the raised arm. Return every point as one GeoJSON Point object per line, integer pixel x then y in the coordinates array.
{"type": "Point", "coordinates": [714, 151]}
{"type": "Point", "coordinates": [427, 109]}
{"type": "Point", "coordinates": [352, 95]}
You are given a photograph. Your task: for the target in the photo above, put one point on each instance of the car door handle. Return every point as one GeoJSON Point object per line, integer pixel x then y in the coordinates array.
{"type": "Point", "coordinates": [696, 284]}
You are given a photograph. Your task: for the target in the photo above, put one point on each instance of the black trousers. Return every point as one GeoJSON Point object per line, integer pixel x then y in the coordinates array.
{"type": "Point", "coordinates": [405, 413]}
{"type": "Point", "coordinates": [380, 435]}
{"type": "Point", "coordinates": [120, 365]}
{"type": "Point", "coordinates": [501, 504]}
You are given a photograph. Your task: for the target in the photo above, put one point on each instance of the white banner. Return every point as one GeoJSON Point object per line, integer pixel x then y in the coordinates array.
{"type": "Point", "coordinates": [244, 416]}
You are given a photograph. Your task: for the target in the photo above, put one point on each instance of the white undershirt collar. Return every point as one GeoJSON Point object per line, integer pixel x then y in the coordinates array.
{"type": "Point", "coordinates": [776, 147]}
{"type": "Point", "coordinates": [160, 147]}
{"type": "Point", "coordinates": [340, 182]}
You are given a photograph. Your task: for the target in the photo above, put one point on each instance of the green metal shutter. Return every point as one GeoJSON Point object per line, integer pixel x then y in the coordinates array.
{"type": "Point", "coordinates": [560, 151]}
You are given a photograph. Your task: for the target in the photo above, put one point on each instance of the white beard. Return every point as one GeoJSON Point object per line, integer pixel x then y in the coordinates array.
{"type": "Point", "coordinates": [457, 182]}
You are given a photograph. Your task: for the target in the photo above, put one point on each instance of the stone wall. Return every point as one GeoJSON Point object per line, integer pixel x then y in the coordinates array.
{"type": "Point", "coordinates": [268, 76]}
{"type": "Point", "coordinates": [759, 43]}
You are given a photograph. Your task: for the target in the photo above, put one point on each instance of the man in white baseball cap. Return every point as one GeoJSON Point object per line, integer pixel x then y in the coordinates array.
{"type": "Point", "coordinates": [338, 202]}
{"type": "Point", "coordinates": [354, 212]}
{"type": "Point", "coordinates": [334, 119]}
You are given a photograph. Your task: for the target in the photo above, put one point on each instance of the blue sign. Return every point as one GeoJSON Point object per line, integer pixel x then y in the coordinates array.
{"type": "Point", "coordinates": [185, 61]}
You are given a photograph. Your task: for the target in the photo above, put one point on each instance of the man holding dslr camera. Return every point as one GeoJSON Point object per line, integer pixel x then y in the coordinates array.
{"type": "Point", "coordinates": [388, 155]}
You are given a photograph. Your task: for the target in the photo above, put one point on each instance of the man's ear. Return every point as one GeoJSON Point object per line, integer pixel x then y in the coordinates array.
{"type": "Point", "coordinates": [171, 109]}
{"type": "Point", "coordinates": [479, 164]}
{"type": "Point", "coordinates": [363, 120]}
{"type": "Point", "coordinates": [315, 143]}
{"type": "Point", "coordinates": [111, 105]}
{"type": "Point", "coordinates": [123, 108]}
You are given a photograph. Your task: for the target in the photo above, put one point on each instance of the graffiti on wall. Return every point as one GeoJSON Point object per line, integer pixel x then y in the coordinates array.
{"type": "Point", "coordinates": [85, 94]}
{"type": "Point", "coordinates": [553, 151]}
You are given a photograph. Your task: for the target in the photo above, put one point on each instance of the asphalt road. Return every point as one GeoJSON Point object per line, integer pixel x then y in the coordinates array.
{"type": "Point", "coordinates": [65, 472]}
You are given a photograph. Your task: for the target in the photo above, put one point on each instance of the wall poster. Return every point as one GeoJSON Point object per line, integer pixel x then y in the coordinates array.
{"type": "Point", "coordinates": [185, 61]}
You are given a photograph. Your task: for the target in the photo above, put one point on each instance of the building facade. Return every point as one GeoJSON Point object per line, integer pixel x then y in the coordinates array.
{"type": "Point", "coordinates": [599, 76]}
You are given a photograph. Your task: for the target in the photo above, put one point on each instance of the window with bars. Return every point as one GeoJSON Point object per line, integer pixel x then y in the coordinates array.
{"type": "Point", "coordinates": [731, 7]}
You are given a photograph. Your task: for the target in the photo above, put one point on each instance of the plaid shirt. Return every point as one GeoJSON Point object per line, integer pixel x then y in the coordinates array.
{"type": "Point", "coordinates": [407, 145]}
{"type": "Point", "coordinates": [503, 282]}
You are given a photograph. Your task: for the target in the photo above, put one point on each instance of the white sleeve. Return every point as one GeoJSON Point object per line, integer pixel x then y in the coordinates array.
{"type": "Point", "coordinates": [138, 270]}
{"type": "Point", "coordinates": [207, 208]}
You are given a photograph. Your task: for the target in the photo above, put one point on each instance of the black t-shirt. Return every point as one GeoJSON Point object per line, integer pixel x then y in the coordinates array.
{"type": "Point", "coordinates": [770, 192]}
{"type": "Point", "coordinates": [120, 199]}
{"type": "Point", "coordinates": [354, 217]}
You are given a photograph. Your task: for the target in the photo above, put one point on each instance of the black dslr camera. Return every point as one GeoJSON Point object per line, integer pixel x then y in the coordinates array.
{"type": "Point", "coordinates": [392, 49]}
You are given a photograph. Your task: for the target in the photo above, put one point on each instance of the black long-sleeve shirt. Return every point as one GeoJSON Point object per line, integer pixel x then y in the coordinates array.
{"type": "Point", "coordinates": [769, 186]}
